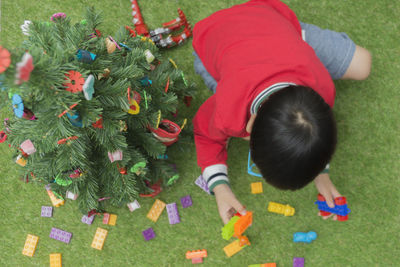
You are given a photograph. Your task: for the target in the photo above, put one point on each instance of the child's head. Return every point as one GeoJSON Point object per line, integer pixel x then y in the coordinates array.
{"type": "Point", "coordinates": [293, 137]}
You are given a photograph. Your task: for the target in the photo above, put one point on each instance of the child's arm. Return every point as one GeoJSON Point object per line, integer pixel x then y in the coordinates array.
{"type": "Point", "coordinates": [227, 203]}
{"type": "Point", "coordinates": [326, 188]}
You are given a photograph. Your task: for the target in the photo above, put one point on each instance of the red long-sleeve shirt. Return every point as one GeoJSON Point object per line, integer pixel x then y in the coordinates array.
{"type": "Point", "coordinates": [248, 48]}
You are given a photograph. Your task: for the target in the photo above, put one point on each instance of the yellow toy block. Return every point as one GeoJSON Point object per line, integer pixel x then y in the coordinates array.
{"type": "Point", "coordinates": [99, 238]}
{"type": "Point", "coordinates": [54, 200]}
{"type": "Point", "coordinates": [55, 260]}
{"type": "Point", "coordinates": [30, 245]}
{"type": "Point", "coordinates": [21, 161]}
{"type": "Point", "coordinates": [113, 219]}
{"type": "Point", "coordinates": [281, 209]}
{"type": "Point", "coordinates": [256, 188]}
{"type": "Point", "coordinates": [233, 248]}
{"type": "Point", "coordinates": [156, 210]}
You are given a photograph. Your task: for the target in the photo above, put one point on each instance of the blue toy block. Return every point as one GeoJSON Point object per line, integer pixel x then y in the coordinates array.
{"type": "Point", "coordinates": [304, 237]}
{"type": "Point", "coordinates": [342, 210]}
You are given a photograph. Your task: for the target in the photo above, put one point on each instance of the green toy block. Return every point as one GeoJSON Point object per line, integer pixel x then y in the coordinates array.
{"type": "Point", "coordinates": [228, 229]}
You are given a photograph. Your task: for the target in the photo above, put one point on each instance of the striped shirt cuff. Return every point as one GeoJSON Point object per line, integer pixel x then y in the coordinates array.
{"type": "Point", "coordinates": [215, 175]}
{"type": "Point", "coordinates": [326, 169]}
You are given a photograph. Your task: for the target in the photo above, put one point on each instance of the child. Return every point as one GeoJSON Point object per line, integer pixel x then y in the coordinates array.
{"type": "Point", "coordinates": [272, 79]}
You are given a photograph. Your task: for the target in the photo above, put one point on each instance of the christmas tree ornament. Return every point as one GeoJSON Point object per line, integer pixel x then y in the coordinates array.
{"type": "Point", "coordinates": [18, 105]}
{"type": "Point", "coordinates": [5, 59]}
{"type": "Point", "coordinates": [3, 136]}
{"type": "Point", "coordinates": [166, 86]}
{"type": "Point", "coordinates": [85, 56]}
{"type": "Point", "coordinates": [149, 56]}
{"type": "Point", "coordinates": [83, 22]}
{"type": "Point", "coordinates": [99, 123]}
{"type": "Point", "coordinates": [114, 156]}
{"type": "Point", "coordinates": [111, 46]}
{"type": "Point", "coordinates": [145, 81]}
{"type": "Point", "coordinates": [67, 110]}
{"type": "Point", "coordinates": [61, 181]}
{"type": "Point", "coordinates": [88, 87]}
{"type": "Point", "coordinates": [123, 127]}
{"type": "Point", "coordinates": [64, 140]}
{"type": "Point", "coordinates": [134, 107]}
{"type": "Point", "coordinates": [167, 132]}
{"type": "Point", "coordinates": [116, 44]}
{"type": "Point", "coordinates": [138, 168]}
{"type": "Point", "coordinates": [28, 147]}
{"type": "Point", "coordinates": [173, 179]}
{"type": "Point", "coordinates": [105, 74]}
{"type": "Point", "coordinates": [74, 81]}
{"type": "Point", "coordinates": [125, 46]}
{"type": "Point", "coordinates": [187, 100]}
{"type": "Point", "coordinates": [77, 173]}
{"type": "Point", "coordinates": [132, 33]}
{"type": "Point", "coordinates": [122, 170]}
{"type": "Point", "coordinates": [58, 17]}
{"type": "Point", "coordinates": [28, 114]}
{"type": "Point", "coordinates": [25, 27]}
{"type": "Point", "coordinates": [24, 69]}
{"type": "Point", "coordinates": [21, 161]}
{"type": "Point", "coordinates": [74, 118]}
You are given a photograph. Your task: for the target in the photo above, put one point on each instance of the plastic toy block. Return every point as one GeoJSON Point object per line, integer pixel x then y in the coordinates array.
{"type": "Point", "coordinates": [200, 253]}
{"type": "Point", "coordinates": [133, 205]}
{"type": "Point", "coordinates": [233, 248]}
{"type": "Point", "coordinates": [272, 264]}
{"type": "Point", "coordinates": [173, 214]}
{"type": "Point", "coordinates": [186, 201]}
{"type": "Point", "coordinates": [55, 260]}
{"type": "Point", "coordinates": [71, 195]}
{"type": "Point", "coordinates": [156, 210]}
{"type": "Point", "coordinates": [281, 209]}
{"type": "Point", "coordinates": [106, 218]}
{"type": "Point", "coordinates": [298, 262]}
{"type": "Point", "coordinates": [47, 211]}
{"type": "Point", "coordinates": [60, 235]}
{"type": "Point", "coordinates": [30, 245]}
{"type": "Point", "coordinates": [99, 238]}
{"type": "Point", "coordinates": [87, 220]}
{"type": "Point", "coordinates": [304, 237]}
{"type": "Point", "coordinates": [228, 229]}
{"type": "Point", "coordinates": [202, 184]}
{"type": "Point", "coordinates": [113, 219]}
{"type": "Point", "coordinates": [243, 240]}
{"type": "Point", "coordinates": [54, 200]}
{"type": "Point", "coordinates": [243, 223]}
{"type": "Point", "coordinates": [148, 234]}
{"type": "Point", "coordinates": [340, 208]}
{"type": "Point", "coordinates": [256, 188]}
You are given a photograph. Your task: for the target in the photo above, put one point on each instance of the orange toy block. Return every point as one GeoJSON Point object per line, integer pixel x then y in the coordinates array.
{"type": "Point", "coordinates": [156, 210]}
{"type": "Point", "coordinates": [99, 238]}
{"type": "Point", "coordinates": [201, 253]}
{"type": "Point", "coordinates": [269, 264]}
{"type": "Point", "coordinates": [55, 260]}
{"type": "Point", "coordinates": [243, 240]}
{"type": "Point", "coordinates": [256, 188]}
{"type": "Point", "coordinates": [243, 223]}
{"type": "Point", "coordinates": [233, 248]}
{"type": "Point", "coordinates": [30, 245]}
{"type": "Point", "coordinates": [113, 219]}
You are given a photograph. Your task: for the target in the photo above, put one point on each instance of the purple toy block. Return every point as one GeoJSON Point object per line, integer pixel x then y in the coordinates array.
{"type": "Point", "coordinates": [186, 201]}
{"type": "Point", "coordinates": [148, 234]}
{"type": "Point", "coordinates": [173, 214]}
{"type": "Point", "coordinates": [298, 262]}
{"type": "Point", "coordinates": [87, 220]}
{"type": "Point", "coordinates": [60, 235]}
{"type": "Point", "coordinates": [202, 184]}
{"type": "Point", "coordinates": [47, 211]}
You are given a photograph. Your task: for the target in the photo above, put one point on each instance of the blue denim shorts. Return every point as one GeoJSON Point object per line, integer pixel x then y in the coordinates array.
{"type": "Point", "coordinates": [334, 49]}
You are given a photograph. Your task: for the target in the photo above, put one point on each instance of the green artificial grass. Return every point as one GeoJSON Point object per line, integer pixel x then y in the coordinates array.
{"type": "Point", "coordinates": [365, 167]}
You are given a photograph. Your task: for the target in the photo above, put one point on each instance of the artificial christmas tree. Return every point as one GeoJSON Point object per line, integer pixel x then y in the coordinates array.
{"type": "Point", "coordinates": [93, 113]}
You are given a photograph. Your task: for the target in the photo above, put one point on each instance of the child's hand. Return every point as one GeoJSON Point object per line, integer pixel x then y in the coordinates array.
{"type": "Point", "coordinates": [327, 189]}
{"type": "Point", "coordinates": [227, 203]}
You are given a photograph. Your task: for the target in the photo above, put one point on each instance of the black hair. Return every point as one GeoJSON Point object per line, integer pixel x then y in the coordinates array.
{"type": "Point", "coordinates": [293, 137]}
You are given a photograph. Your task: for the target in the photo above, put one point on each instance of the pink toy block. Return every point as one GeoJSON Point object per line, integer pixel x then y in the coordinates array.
{"type": "Point", "coordinates": [106, 218]}
{"type": "Point", "coordinates": [173, 214]}
{"type": "Point", "coordinates": [47, 211]}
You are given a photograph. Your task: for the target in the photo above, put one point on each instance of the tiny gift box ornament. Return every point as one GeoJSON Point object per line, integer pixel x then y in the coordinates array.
{"type": "Point", "coordinates": [28, 147]}
{"type": "Point", "coordinates": [88, 87]}
{"type": "Point", "coordinates": [114, 156]}
{"type": "Point", "coordinates": [24, 69]}
{"type": "Point", "coordinates": [167, 132]}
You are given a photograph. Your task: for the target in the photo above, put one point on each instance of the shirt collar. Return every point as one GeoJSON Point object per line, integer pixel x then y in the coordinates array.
{"type": "Point", "coordinates": [259, 99]}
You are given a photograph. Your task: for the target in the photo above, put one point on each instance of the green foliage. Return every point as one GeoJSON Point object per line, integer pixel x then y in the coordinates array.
{"type": "Point", "coordinates": [55, 48]}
